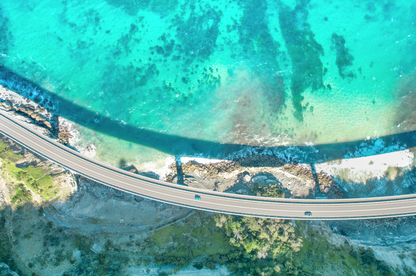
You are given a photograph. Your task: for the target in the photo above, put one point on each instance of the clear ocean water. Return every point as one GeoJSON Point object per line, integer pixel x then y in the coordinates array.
{"type": "Point", "coordinates": [251, 72]}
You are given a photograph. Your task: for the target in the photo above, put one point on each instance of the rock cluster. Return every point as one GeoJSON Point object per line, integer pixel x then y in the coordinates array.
{"type": "Point", "coordinates": [239, 176]}
{"type": "Point", "coordinates": [208, 169]}
{"type": "Point", "coordinates": [64, 135]}
{"type": "Point", "coordinates": [327, 184]}
{"type": "Point", "coordinates": [298, 171]}
{"type": "Point", "coordinates": [29, 111]}
{"type": "Point", "coordinates": [41, 117]}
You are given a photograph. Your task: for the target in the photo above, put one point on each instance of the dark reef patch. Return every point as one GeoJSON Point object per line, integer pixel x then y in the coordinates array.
{"type": "Point", "coordinates": [255, 38]}
{"type": "Point", "coordinates": [197, 35]}
{"type": "Point", "coordinates": [191, 46]}
{"type": "Point", "coordinates": [125, 43]}
{"type": "Point", "coordinates": [132, 7]}
{"type": "Point", "coordinates": [304, 51]}
{"type": "Point", "coordinates": [379, 10]}
{"type": "Point", "coordinates": [163, 6]}
{"type": "Point", "coordinates": [167, 49]}
{"type": "Point", "coordinates": [5, 35]}
{"type": "Point", "coordinates": [344, 58]}
{"type": "Point", "coordinates": [257, 44]}
{"type": "Point", "coordinates": [88, 20]}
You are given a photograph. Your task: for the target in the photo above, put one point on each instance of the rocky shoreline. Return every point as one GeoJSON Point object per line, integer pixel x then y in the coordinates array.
{"type": "Point", "coordinates": [102, 214]}
{"type": "Point", "coordinates": [241, 176]}
{"type": "Point", "coordinates": [39, 117]}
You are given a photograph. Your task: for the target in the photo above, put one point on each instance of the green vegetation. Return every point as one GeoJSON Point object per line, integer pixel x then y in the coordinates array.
{"type": "Point", "coordinates": [276, 247]}
{"type": "Point", "coordinates": [21, 195]}
{"type": "Point", "coordinates": [5, 243]}
{"type": "Point", "coordinates": [5, 246]}
{"type": "Point", "coordinates": [317, 256]}
{"type": "Point", "coordinates": [264, 237]}
{"type": "Point", "coordinates": [36, 179]}
{"type": "Point", "coordinates": [255, 246]}
{"type": "Point", "coordinates": [262, 246]}
{"type": "Point", "coordinates": [7, 154]}
{"type": "Point", "coordinates": [269, 191]}
{"type": "Point", "coordinates": [180, 243]}
{"type": "Point", "coordinates": [83, 243]}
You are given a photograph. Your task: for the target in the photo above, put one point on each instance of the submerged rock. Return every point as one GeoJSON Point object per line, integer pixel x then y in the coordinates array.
{"type": "Point", "coordinates": [5, 270]}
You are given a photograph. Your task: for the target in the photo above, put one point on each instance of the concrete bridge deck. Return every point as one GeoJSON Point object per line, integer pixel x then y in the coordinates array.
{"type": "Point", "coordinates": [327, 209]}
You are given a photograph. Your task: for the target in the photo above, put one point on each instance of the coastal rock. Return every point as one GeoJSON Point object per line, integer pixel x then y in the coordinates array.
{"type": "Point", "coordinates": [33, 115]}
{"type": "Point", "coordinates": [328, 186]}
{"type": "Point", "coordinates": [64, 136]}
{"type": "Point", "coordinates": [150, 175]}
{"type": "Point", "coordinates": [28, 106]}
{"type": "Point", "coordinates": [6, 105]}
{"type": "Point", "coordinates": [295, 180]}
{"type": "Point", "coordinates": [40, 118]}
{"type": "Point", "coordinates": [21, 109]}
{"type": "Point", "coordinates": [48, 124]}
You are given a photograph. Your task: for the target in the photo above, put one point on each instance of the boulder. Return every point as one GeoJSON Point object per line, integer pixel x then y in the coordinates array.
{"type": "Point", "coordinates": [6, 105]}
{"type": "Point", "coordinates": [21, 109]}
{"type": "Point", "coordinates": [28, 106]}
{"type": "Point", "coordinates": [47, 124]}
{"type": "Point", "coordinates": [40, 118]}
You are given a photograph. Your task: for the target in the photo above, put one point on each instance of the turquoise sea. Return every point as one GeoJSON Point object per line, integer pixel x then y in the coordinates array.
{"type": "Point", "coordinates": [252, 72]}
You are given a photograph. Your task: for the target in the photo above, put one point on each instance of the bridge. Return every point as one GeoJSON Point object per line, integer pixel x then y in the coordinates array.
{"type": "Point", "coordinates": [283, 208]}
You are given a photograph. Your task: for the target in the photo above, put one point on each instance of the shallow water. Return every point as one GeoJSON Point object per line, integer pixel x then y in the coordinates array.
{"type": "Point", "coordinates": [244, 72]}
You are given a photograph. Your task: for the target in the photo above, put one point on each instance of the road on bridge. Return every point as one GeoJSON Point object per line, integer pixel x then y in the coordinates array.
{"type": "Point", "coordinates": [327, 209]}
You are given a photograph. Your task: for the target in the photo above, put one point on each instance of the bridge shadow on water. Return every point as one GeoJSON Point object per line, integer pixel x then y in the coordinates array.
{"type": "Point", "coordinates": [182, 146]}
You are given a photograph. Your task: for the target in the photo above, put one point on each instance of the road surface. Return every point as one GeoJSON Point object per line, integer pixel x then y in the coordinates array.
{"type": "Point", "coordinates": [327, 209]}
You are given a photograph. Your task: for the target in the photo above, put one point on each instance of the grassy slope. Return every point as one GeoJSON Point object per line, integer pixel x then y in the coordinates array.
{"type": "Point", "coordinates": [38, 179]}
